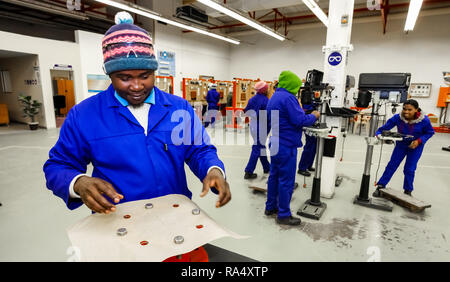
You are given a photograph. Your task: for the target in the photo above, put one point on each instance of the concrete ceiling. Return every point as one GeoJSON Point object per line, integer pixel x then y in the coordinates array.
{"type": "Point", "coordinates": [295, 12]}
{"type": "Point", "coordinates": [287, 7]}
{"type": "Point", "coordinates": [289, 13]}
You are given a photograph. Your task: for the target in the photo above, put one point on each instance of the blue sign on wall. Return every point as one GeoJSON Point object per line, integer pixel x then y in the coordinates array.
{"type": "Point", "coordinates": [335, 58]}
{"type": "Point", "coordinates": [166, 62]}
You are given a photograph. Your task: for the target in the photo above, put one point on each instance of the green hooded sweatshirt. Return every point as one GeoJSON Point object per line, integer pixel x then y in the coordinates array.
{"type": "Point", "coordinates": [289, 81]}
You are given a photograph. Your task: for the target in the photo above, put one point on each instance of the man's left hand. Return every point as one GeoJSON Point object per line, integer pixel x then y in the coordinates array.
{"type": "Point", "coordinates": [215, 179]}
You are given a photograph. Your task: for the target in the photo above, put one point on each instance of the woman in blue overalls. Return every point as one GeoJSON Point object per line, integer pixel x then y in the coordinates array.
{"type": "Point", "coordinates": [287, 122]}
{"type": "Point", "coordinates": [212, 98]}
{"type": "Point", "coordinates": [413, 122]}
{"type": "Point", "coordinates": [255, 109]}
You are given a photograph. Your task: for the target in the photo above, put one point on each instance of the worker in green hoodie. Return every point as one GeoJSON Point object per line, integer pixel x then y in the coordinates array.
{"type": "Point", "coordinates": [284, 142]}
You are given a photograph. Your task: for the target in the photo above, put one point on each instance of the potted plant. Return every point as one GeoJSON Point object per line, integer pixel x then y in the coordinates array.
{"type": "Point", "coordinates": [30, 109]}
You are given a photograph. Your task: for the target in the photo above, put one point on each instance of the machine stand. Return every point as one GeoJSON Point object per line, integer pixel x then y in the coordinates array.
{"type": "Point", "coordinates": [364, 188]}
{"type": "Point", "coordinates": [363, 198]}
{"type": "Point", "coordinates": [313, 208]}
{"type": "Point", "coordinates": [379, 204]}
{"type": "Point", "coordinates": [315, 193]}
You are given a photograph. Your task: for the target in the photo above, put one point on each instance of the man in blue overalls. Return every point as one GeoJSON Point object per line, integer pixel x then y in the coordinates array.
{"type": "Point", "coordinates": [287, 121]}
{"type": "Point", "coordinates": [259, 129]}
{"type": "Point", "coordinates": [309, 150]}
{"type": "Point", "coordinates": [126, 132]}
{"type": "Point", "coordinates": [212, 98]}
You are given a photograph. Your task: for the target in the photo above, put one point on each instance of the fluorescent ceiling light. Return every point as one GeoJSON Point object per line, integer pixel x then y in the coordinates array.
{"type": "Point", "coordinates": [235, 14]}
{"type": "Point", "coordinates": [150, 14]}
{"type": "Point", "coordinates": [312, 5]}
{"type": "Point", "coordinates": [413, 13]}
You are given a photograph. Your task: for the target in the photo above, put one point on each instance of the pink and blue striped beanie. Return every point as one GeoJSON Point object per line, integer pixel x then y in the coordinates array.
{"type": "Point", "coordinates": [127, 47]}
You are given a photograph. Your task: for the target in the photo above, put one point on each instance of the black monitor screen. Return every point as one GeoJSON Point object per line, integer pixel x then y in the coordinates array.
{"type": "Point", "coordinates": [59, 101]}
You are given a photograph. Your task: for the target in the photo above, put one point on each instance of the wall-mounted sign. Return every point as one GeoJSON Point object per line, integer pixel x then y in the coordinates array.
{"type": "Point", "coordinates": [335, 58]}
{"type": "Point", "coordinates": [97, 83]}
{"type": "Point", "coordinates": [166, 62]}
{"type": "Point", "coordinates": [62, 67]}
{"type": "Point", "coordinates": [31, 82]}
{"type": "Point", "coordinates": [344, 20]}
{"type": "Point", "coordinates": [37, 73]}
{"type": "Point", "coordinates": [420, 90]}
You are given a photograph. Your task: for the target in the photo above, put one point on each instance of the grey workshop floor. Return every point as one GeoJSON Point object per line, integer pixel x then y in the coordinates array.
{"type": "Point", "coordinates": [33, 221]}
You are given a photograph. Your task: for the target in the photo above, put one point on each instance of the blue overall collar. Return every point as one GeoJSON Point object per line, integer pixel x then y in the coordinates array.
{"type": "Point", "coordinates": [150, 99]}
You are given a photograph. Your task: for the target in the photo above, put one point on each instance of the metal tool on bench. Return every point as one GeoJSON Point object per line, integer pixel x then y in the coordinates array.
{"type": "Point", "coordinates": [378, 88]}
{"type": "Point", "coordinates": [389, 137]}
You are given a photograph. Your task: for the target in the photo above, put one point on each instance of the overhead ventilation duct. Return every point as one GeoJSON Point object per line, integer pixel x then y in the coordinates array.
{"type": "Point", "coordinates": [191, 14]}
{"type": "Point", "coordinates": [52, 9]}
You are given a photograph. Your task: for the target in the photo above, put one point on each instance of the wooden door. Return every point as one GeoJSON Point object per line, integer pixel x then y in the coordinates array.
{"type": "Point", "coordinates": [4, 116]}
{"type": "Point", "coordinates": [65, 88]}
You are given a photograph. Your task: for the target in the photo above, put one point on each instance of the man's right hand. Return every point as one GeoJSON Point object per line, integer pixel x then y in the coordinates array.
{"type": "Point", "coordinates": [91, 191]}
{"type": "Point", "coordinates": [316, 114]}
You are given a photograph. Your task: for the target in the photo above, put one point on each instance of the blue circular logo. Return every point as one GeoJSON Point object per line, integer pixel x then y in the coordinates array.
{"type": "Point", "coordinates": [335, 58]}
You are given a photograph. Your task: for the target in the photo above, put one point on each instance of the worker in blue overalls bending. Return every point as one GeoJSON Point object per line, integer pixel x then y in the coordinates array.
{"type": "Point", "coordinates": [413, 122]}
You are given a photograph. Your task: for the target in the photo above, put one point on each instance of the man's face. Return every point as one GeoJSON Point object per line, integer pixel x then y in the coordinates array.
{"type": "Point", "coordinates": [133, 85]}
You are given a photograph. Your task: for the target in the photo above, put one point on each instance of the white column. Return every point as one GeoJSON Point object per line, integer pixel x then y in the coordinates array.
{"type": "Point", "coordinates": [340, 16]}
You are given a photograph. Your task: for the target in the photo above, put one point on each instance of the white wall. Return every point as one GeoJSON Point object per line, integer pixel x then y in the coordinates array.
{"type": "Point", "coordinates": [49, 52]}
{"type": "Point", "coordinates": [424, 53]}
{"type": "Point", "coordinates": [91, 58]}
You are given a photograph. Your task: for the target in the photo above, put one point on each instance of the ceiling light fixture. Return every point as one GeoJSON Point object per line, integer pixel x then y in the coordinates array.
{"type": "Point", "coordinates": [413, 13]}
{"type": "Point", "coordinates": [238, 16]}
{"type": "Point", "coordinates": [312, 5]}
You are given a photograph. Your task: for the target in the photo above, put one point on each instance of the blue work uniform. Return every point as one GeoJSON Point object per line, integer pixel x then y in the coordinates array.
{"type": "Point", "coordinates": [255, 110]}
{"type": "Point", "coordinates": [101, 131]}
{"type": "Point", "coordinates": [212, 98]}
{"type": "Point", "coordinates": [309, 150]}
{"type": "Point", "coordinates": [421, 130]}
{"type": "Point", "coordinates": [286, 138]}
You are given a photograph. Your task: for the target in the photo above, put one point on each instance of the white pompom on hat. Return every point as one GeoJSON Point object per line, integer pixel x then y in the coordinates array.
{"type": "Point", "coordinates": [123, 17]}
